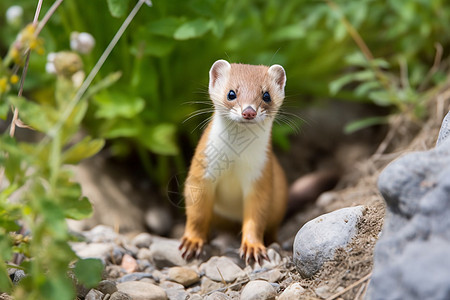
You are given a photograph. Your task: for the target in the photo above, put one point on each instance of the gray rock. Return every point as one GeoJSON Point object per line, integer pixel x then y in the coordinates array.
{"type": "Point", "coordinates": [142, 240]}
{"type": "Point", "coordinates": [268, 275]}
{"type": "Point", "coordinates": [159, 220]}
{"type": "Point", "coordinates": [165, 253]}
{"type": "Point", "coordinates": [218, 296]}
{"type": "Point", "coordinates": [208, 285]}
{"type": "Point", "coordinates": [138, 290]}
{"type": "Point", "coordinates": [107, 287]}
{"type": "Point", "coordinates": [102, 234]}
{"type": "Point", "coordinates": [120, 296]}
{"type": "Point", "coordinates": [184, 276]}
{"type": "Point", "coordinates": [135, 276]}
{"type": "Point", "coordinates": [144, 253]}
{"type": "Point", "coordinates": [94, 250]}
{"type": "Point", "coordinates": [445, 129]}
{"type": "Point", "coordinates": [294, 291]}
{"type": "Point", "coordinates": [221, 268]}
{"type": "Point", "coordinates": [174, 294]}
{"type": "Point", "coordinates": [18, 276]}
{"type": "Point", "coordinates": [411, 256]}
{"type": "Point", "coordinates": [94, 295]}
{"type": "Point", "coordinates": [317, 241]}
{"type": "Point", "coordinates": [195, 297]}
{"type": "Point", "coordinates": [258, 290]}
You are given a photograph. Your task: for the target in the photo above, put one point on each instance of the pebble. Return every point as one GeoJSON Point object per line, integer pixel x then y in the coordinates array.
{"type": "Point", "coordinates": [94, 250]}
{"type": "Point", "coordinates": [129, 264]}
{"type": "Point", "coordinates": [101, 234]}
{"type": "Point", "coordinates": [258, 290]}
{"type": "Point", "coordinates": [142, 240]}
{"type": "Point", "coordinates": [208, 285]}
{"type": "Point", "coordinates": [317, 241]}
{"type": "Point", "coordinates": [134, 277]}
{"type": "Point", "coordinates": [294, 291]}
{"type": "Point", "coordinates": [120, 296]}
{"type": "Point", "coordinates": [184, 276]}
{"type": "Point", "coordinates": [138, 290]}
{"type": "Point", "coordinates": [144, 254]}
{"type": "Point", "coordinates": [113, 271]}
{"type": "Point", "coordinates": [165, 253]}
{"type": "Point", "coordinates": [268, 275]}
{"type": "Point", "coordinates": [222, 268]}
{"type": "Point", "coordinates": [107, 287]}
{"type": "Point", "coordinates": [94, 295]}
{"type": "Point", "coordinates": [217, 296]}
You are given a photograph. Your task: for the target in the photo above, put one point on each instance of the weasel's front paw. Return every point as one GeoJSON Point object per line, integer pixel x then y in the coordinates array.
{"type": "Point", "coordinates": [191, 247]}
{"type": "Point", "coordinates": [253, 252]}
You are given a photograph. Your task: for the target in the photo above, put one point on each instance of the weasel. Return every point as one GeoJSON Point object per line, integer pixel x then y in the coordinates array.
{"type": "Point", "coordinates": [234, 173]}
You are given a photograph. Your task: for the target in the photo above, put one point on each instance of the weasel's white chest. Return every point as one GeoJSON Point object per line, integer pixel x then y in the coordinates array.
{"type": "Point", "coordinates": [236, 155]}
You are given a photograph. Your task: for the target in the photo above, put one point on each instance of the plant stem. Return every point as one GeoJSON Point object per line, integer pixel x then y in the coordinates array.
{"type": "Point", "coordinates": [87, 82]}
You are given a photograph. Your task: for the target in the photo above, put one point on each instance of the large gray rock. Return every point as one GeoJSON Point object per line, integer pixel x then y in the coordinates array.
{"type": "Point", "coordinates": [411, 256]}
{"type": "Point", "coordinates": [165, 253]}
{"type": "Point", "coordinates": [258, 290]}
{"type": "Point", "coordinates": [222, 268]}
{"type": "Point", "coordinates": [317, 241]}
{"type": "Point", "coordinates": [139, 290]}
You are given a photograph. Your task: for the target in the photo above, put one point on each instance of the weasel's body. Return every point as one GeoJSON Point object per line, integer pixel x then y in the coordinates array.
{"type": "Point", "coordinates": [234, 172]}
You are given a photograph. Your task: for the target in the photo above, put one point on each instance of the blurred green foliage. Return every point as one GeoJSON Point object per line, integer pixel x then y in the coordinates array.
{"type": "Point", "coordinates": [153, 80]}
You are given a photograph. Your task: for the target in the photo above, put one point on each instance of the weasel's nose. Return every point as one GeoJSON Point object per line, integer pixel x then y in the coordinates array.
{"type": "Point", "coordinates": [249, 113]}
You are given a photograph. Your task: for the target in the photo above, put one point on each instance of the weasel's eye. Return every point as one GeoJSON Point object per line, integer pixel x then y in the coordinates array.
{"type": "Point", "coordinates": [266, 97]}
{"type": "Point", "coordinates": [231, 95]}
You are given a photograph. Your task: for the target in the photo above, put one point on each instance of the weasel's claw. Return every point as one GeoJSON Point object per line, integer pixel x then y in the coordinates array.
{"type": "Point", "coordinates": [191, 247]}
{"type": "Point", "coordinates": [253, 252]}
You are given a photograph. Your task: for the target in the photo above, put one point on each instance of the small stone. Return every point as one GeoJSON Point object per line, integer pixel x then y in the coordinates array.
{"type": "Point", "coordinates": [101, 234]}
{"type": "Point", "coordinates": [135, 276]}
{"type": "Point", "coordinates": [165, 253]}
{"type": "Point", "coordinates": [94, 250]}
{"type": "Point", "coordinates": [218, 296]}
{"type": "Point", "coordinates": [169, 285]}
{"type": "Point", "coordinates": [209, 285]}
{"type": "Point", "coordinates": [113, 271]}
{"type": "Point", "coordinates": [183, 276]}
{"type": "Point", "coordinates": [294, 291]}
{"type": "Point", "coordinates": [221, 268]}
{"type": "Point", "coordinates": [195, 297]}
{"type": "Point", "coordinates": [142, 240]}
{"type": "Point", "coordinates": [323, 291]}
{"type": "Point", "coordinates": [269, 275]}
{"type": "Point", "coordinates": [94, 295]}
{"type": "Point", "coordinates": [120, 296]}
{"type": "Point", "coordinates": [258, 290]}
{"type": "Point", "coordinates": [18, 275]}
{"type": "Point", "coordinates": [317, 241]}
{"type": "Point", "coordinates": [174, 294]}
{"type": "Point", "coordinates": [144, 253]}
{"type": "Point", "coordinates": [107, 287]}
{"type": "Point", "coordinates": [159, 220]}
{"type": "Point", "coordinates": [273, 262]}
{"type": "Point", "coordinates": [129, 264]}
{"type": "Point", "coordinates": [138, 290]}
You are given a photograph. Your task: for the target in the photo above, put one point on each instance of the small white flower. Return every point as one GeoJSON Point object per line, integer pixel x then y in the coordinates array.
{"type": "Point", "coordinates": [82, 42]}
{"type": "Point", "coordinates": [50, 68]}
{"type": "Point", "coordinates": [14, 15]}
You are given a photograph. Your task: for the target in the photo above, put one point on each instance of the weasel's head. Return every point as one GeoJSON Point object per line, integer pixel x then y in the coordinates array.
{"type": "Point", "coordinates": [246, 93]}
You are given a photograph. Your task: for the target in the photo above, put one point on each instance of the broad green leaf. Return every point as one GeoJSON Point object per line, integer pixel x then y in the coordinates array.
{"type": "Point", "coordinates": [82, 150]}
{"type": "Point", "coordinates": [192, 29]}
{"type": "Point", "coordinates": [5, 281]}
{"type": "Point", "coordinates": [116, 128]}
{"type": "Point", "coordinates": [57, 288]}
{"type": "Point", "coordinates": [4, 109]}
{"type": "Point", "coordinates": [89, 271]}
{"type": "Point", "coordinates": [382, 98]}
{"type": "Point", "coordinates": [164, 27]}
{"type": "Point", "coordinates": [160, 139]}
{"type": "Point", "coordinates": [78, 209]}
{"type": "Point", "coordinates": [39, 117]}
{"type": "Point", "coordinates": [117, 8]}
{"type": "Point", "coordinates": [116, 104]}
{"type": "Point", "coordinates": [366, 87]}
{"type": "Point", "coordinates": [364, 123]}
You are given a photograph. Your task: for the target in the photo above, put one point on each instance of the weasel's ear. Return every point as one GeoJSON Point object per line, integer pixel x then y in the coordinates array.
{"type": "Point", "coordinates": [218, 73]}
{"type": "Point", "coordinates": [278, 75]}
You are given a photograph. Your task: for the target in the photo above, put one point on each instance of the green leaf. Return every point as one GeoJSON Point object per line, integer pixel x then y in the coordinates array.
{"type": "Point", "coordinates": [89, 271]}
{"type": "Point", "coordinates": [121, 128]}
{"type": "Point", "coordinates": [164, 27]}
{"type": "Point", "coordinates": [116, 104]}
{"type": "Point", "coordinates": [382, 98]}
{"type": "Point", "coordinates": [117, 8]}
{"type": "Point", "coordinates": [103, 84]}
{"type": "Point", "coordinates": [364, 123]}
{"type": "Point", "coordinates": [39, 117]}
{"type": "Point", "coordinates": [78, 209]}
{"type": "Point", "coordinates": [192, 29]}
{"type": "Point", "coordinates": [289, 32]}
{"type": "Point", "coordinates": [160, 139]}
{"type": "Point", "coordinates": [82, 150]}
{"type": "Point", "coordinates": [4, 110]}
